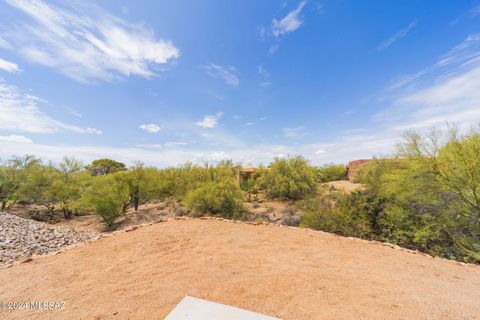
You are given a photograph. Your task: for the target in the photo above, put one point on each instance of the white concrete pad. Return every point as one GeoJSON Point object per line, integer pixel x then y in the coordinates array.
{"type": "Point", "coordinates": [191, 308]}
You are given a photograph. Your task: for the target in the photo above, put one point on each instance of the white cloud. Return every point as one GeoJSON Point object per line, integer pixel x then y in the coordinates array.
{"type": "Point", "coordinates": [15, 139]}
{"type": "Point", "coordinates": [4, 43]}
{"type": "Point", "coordinates": [93, 130]}
{"type": "Point", "coordinates": [20, 112]}
{"type": "Point", "coordinates": [273, 49]}
{"type": "Point", "coordinates": [76, 114]}
{"type": "Point", "coordinates": [397, 36]}
{"type": "Point", "coordinates": [152, 128]}
{"type": "Point", "coordinates": [176, 143]}
{"type": "Point", "coordinates": [248, 124]}
{"type": "Point", "coordinates": [265, 75]}
{"type": "Point", "coordinates": [448, 91]}
{"type": "Point", "coordinates": [150, 146]}
{"type": "Point", "coordinates": [294, 133]}
{"type": "Point", "coordinates": [228, 74]}
{"type": "Point", "coordinates": [475, 11]}
{"type": "Point", "coordinates": [87, 46]}
{"type": "Point", "coordinates": [472, 13]}
{"type": "Point", "coordinates": [163, 157]}
{"type": "Point", "coordinates": [262, 71]}
{"type": "Point", "coordinates": [210, 121]}
{"type": "Point", "coordinates": [9, 66]}
{"type": "Point", "coordinates": [291, 22]}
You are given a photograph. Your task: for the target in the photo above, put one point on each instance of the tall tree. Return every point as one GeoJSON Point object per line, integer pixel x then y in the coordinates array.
{"type": "Point", "coordinates": [105, 166]}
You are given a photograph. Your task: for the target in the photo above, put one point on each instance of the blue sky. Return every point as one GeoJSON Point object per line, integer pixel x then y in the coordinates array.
{"type": "Point", "coordinates": [166, 82]}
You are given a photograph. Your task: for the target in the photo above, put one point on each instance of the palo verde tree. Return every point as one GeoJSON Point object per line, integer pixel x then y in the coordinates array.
{"type": "Point", "coordinates": [13, 176]}
{"type": "Point", "coordinates": [108, 197]}
{"type": "Point", "coordinates": [455, 162]}
{"type": "Point", "coordinates": [453, 159]}
{"type": "Point", "coordinates": [291, 178]}
{"type": "Point", "coordinates": [143, 183]}
{"type": "Point", "coordinates": [65, 189]}
{"type": "Point", "coordinates": [105, 166]}
{"type": "Point", "coordinates": [9, 183]}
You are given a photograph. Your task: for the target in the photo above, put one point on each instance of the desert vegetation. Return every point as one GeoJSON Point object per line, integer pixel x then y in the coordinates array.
{"type": "Point", "coordinates": [428, 200]}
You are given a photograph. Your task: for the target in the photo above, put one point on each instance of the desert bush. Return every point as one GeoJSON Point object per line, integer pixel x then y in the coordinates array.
{"type": "Point", "coordinates": [181, 211]}
{"type": "Point", "coordinates": [289, 211]}
{"type": "Point", "coordinates": [177, 182]}
{"type": "Point", "coordinates": [291, 178]}
{"type": "Point", "coordinates": [223, 198]}
{"type": "Point", "coordinates": [108, 197]}
{"type": "Point", "coordinates": [292, 220]}
{"type": "Point", "coordinates": [48, 215]}
{"type": "Point", "coordinates": [331, 172]}
{"type": "Point", "coordinates": [340, 213]}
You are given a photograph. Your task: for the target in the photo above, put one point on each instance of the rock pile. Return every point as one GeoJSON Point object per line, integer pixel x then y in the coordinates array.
{"type": "Point", "coordinates": [21, 238]}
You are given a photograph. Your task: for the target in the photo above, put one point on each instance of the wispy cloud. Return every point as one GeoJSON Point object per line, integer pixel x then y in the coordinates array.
{"type": "Point", "coordinates": [9, 66]}
{"type": "Point", "coordinates": [93, 131]}
{"type": "Point", "coordinates": [291, 22]}
{"type": "Point", "coordinates": [263, 72]}
{"type": "Point", "coordinates": [228, 74]}
{"type": "Point", "coordinates": [248, 124]}
{"type": "Point", "coordinates": [294, 133]}
{"type": "Point", "coordinates": [473, 12]}
{"type": "Point", "coordinates": [274, 48]}
{"type": "Point", "coordinates": [87, 46]}
{"type": "Point", "coordinates": [152, 128]}
{"type": "Point", "coordinates": [16, 139]}
{"type": "Point", "coordinates": [210, 121]}
{"type": "Point", "coordinates": [447, 91]}
{"type": "Point", "coordinates": [176, 143]}
{"type": "Point", "coordinates": [19, 112]}
{"type": "Point", "coordinates": [397, 36]}
{"type": "Point", "coordinates": [4, 43]}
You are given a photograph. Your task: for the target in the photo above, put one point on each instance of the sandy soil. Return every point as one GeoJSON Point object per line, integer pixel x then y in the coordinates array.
{"type": "Point", "coordinates": [284, 272]}
{"type": "Point", "coordinates": [345, 185]}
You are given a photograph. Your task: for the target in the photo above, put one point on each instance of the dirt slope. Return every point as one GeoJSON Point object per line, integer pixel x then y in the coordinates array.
{"type": "Point", "coordinates": [284, 272]}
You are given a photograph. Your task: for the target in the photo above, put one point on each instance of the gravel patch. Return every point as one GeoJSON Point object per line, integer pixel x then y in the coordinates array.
{"type": "Point", "coordinates": [22, 238]}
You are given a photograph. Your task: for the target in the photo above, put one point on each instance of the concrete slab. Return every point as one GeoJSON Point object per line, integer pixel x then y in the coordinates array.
{"type": "Point", "coordinates": [191, 308]}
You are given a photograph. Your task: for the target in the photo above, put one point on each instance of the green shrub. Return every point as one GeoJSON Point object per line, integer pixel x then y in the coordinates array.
{"type": "Point", "coordinates": [331, 172]}
{"type": "Point", "coordinates": [108, 196]}
{"type": "Point", "coordinates": [291, 178]}
{"type": "Point", "coordinates": [347, 215]}
{"type": "Point", "coordinates": [223, 198]}
{"type": "Point", "coordinates": [48, 215]}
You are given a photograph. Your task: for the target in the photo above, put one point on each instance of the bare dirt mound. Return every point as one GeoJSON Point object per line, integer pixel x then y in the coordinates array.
{"type": "Point", "coordinates": [283, 272]}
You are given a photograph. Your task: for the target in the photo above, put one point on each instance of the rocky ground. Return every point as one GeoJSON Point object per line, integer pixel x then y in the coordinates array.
{"type": "Point", "coordinates": [21, 238]}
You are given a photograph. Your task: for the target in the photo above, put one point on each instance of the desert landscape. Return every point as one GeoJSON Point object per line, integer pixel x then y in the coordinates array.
{"type": "Point", "coordinates": [239, 160]}
{"type": "Point", "coordinates": [290, 240]}
{"type": "Point", "coordinates": [286, 272]}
